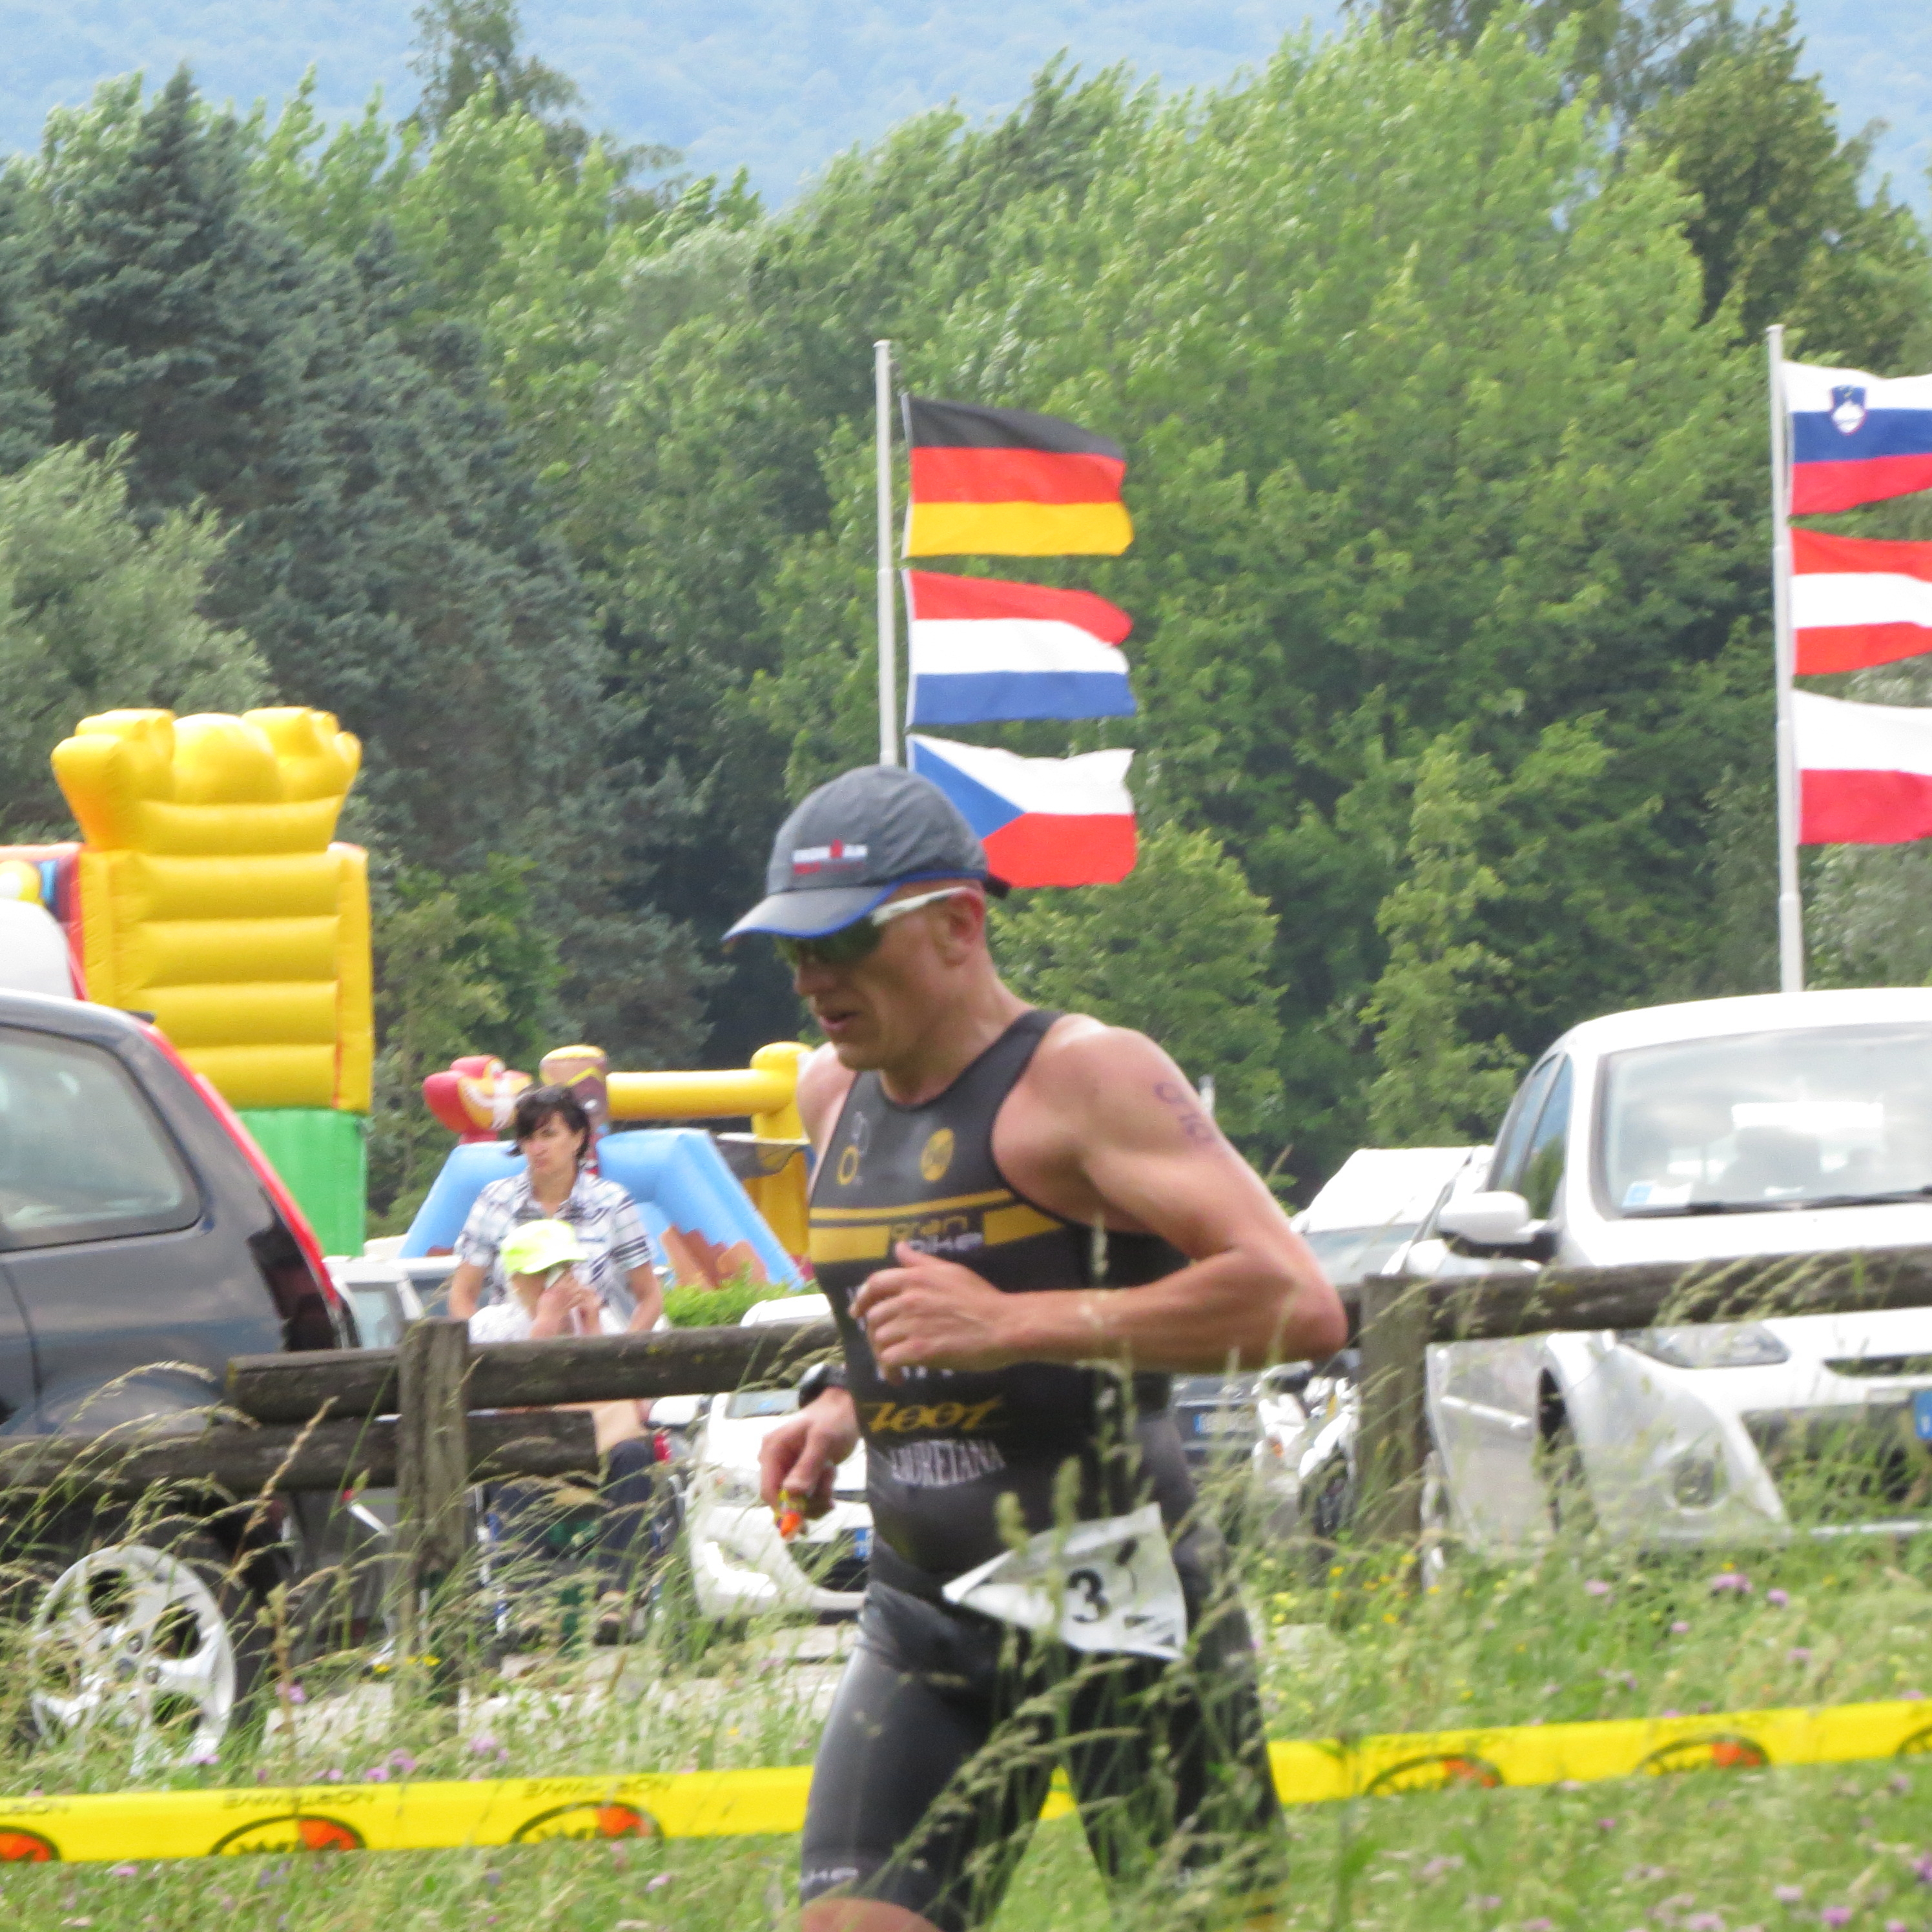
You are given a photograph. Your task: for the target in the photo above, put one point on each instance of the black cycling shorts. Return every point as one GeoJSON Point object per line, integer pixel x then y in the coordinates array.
{"type": "Point", "coordinates": [947, 1726]}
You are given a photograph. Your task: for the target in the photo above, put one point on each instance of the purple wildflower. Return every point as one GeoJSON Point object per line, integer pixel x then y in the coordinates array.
{"type": "Point", "coordinates": [1595, 1586]}
{"type": "Point", "coordinates": [1704, 1921]}
{"type": "Point", "coordinates": [1835, 1915]}
{"type": "Point", "coordinates": [1606, 1824]}
{"type": "Point", "coordinates": [1486, 1901]}
{"type": "Point", "coordinates": [1730, 1583]}
{"type": "Point", "coordinates": [663, 1878]}
{"type": "Point", "coordinates": [483, 1746]}
{"type": "Point", "coordinates": [1901, 1784]}
{"type": "Point", "coordinates": [401, 1762]}
{"type": "Point", "coordinates": [1788, 1894]}
{"type": "Point", "coordinates": [1680, 1628]}
{"type": "Point", "coordinates": [124, 1871]}
{"type": "Point", "coordinates": [1921, 1868]}
{"type": "Point", "coordinates": [1911, 1696]}
{"type": "Point", "coordinates": [1798, 1654]}
{"type": "Point", "coordinates": [1778, 1600]}
{"type": "Point", "coordinates": [493, 1879]}
{"type": "Point", "coordinates": [376, 1774]}
{"type": "Point", "coordinates": [1897, 1925]}
{"type": "Point", "coordinates": [295, 1694]}
{"type": "Point", "coordinates": [1539, 1925]}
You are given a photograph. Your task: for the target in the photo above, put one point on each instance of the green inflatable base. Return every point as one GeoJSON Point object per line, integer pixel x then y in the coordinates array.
{"type": "Point", "coordinates": [323, 1159]}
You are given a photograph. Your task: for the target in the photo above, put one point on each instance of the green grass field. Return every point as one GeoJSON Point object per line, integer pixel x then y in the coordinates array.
{"type": "Point", "coordinates": [1578, 1633]}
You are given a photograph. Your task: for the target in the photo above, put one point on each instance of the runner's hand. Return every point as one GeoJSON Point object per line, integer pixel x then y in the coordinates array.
{"type": "Point", "coordinates": [927, 1313]}
{"type": "Point", "coordinates": [804, 1452]}
{"type": "Point", "coordinates": [566, 1307]}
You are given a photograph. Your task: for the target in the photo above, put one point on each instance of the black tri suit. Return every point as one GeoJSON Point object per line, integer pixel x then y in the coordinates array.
{"type": "Point", "coordinates": [948, 1724]}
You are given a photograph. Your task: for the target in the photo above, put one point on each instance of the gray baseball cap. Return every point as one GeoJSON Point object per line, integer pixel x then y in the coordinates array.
{"type": "Point", "coordinates": [853, 843]}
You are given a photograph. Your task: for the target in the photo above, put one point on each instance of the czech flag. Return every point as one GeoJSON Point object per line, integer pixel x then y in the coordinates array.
{"type": "Point", "coordinates": [1043, 821]}
{"type": "Point", "coordinates": [1865, 769]}
{"type": "Point", "coordinates": [1007, 483]}
{"type": "Point", "coordinates": [1856, 439]}
{"type": "Point", "coordinates": [1857, 601]}
{"type": "Point", "coordinates": [981, 650]}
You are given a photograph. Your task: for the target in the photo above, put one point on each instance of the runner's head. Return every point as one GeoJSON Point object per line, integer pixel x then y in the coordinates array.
{"type": "Point", "coordinates": [876, 893]}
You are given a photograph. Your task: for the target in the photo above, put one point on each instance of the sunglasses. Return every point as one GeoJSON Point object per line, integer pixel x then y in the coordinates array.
{"type": "Point", "coordinates": [851, 944]}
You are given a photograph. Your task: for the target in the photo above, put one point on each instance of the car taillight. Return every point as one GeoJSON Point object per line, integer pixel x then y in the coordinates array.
{"type": "Point", "coordinates": [660, 1446]}
{"type": "Point", "coordinates": [294, 1269]}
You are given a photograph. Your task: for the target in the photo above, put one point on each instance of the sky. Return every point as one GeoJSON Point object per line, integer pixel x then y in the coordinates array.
{"type": "Point", "coordinates": [780, 86]}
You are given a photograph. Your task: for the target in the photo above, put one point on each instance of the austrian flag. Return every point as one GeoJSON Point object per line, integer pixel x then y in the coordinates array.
{"type": "Point", "coordinates": [1857, 601]}
{"type": "Point", "coordinates": [982, 650]}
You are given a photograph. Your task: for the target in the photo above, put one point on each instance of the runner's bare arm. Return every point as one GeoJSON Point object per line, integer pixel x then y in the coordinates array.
{"type": "Point", "coordinates": [1112, 1125]}
{"type": "Point", "coordinates": [801, 1454]}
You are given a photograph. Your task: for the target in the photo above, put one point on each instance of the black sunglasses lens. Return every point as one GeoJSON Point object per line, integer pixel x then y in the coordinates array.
{"type": "Point", "coordinates": [841, 948]}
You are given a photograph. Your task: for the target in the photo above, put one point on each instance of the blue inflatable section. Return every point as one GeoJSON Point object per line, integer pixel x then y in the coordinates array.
{"type": "Point", "coordinates": [676, 1175]}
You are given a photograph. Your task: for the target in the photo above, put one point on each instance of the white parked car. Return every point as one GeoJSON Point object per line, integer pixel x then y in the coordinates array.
{"type": "Point", "coordinates": [740, 1564]}
{"type": "Point", "coordinates": [1769, 1125]}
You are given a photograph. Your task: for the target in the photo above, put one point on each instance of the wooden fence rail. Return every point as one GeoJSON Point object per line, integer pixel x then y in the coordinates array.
{"type": "Point", "coordinates": [1396, 1319]}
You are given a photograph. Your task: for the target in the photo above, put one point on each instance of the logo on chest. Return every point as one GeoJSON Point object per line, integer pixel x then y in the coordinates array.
{"type": "Point", "coordinates": [936, 1156]}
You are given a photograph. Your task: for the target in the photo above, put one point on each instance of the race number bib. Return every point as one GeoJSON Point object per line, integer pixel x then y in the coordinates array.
{"type": "Point", "coordinates": [1109, 1586]}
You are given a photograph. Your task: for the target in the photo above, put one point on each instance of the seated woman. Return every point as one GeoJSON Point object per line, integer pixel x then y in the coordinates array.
{"type": "Point", "coordinates": [554, 1251]}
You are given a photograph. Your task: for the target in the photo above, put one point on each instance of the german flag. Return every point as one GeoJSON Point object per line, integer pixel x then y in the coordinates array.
{"type": "Point", "coordinates": [1007, 483]}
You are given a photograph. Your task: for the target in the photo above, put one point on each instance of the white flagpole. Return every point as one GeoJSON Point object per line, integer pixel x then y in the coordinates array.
{"type": "Point", "coordinates": [1790, 906]}
{"type": "Point", "coordinates": [882, 397]}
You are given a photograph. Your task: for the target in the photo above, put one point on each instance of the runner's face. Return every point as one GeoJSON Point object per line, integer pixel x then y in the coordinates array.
{"type": "Point", "coordinates": [875, 1010]}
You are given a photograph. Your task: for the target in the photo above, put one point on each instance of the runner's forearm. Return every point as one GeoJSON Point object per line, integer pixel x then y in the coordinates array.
{"type": "Point", "coordinates": [1231, 1310]}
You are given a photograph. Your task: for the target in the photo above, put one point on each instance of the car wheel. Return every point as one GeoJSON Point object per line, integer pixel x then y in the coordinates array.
{"type": "Point", "coordinates": [1437, 1522]}
{"type": "Point", "coordinates": [155, 1643]}
{"type": "Point", "coordinates": [1566, 1483]}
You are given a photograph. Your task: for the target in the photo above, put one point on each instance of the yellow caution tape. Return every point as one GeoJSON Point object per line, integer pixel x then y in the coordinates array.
{"type": "Point", "coordinates": [132, 1825]}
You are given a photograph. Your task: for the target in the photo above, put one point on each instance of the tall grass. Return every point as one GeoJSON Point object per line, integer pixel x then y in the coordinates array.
{"type": "Point", "coordinates": [1351, 1645]}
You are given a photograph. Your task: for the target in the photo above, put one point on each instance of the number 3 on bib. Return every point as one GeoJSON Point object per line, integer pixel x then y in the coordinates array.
{"type": "Point", "coordinates": [1104, 1586]}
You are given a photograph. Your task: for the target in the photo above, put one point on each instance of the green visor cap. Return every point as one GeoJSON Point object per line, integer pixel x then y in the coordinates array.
{"type": "Point", "coordinates": [538, 1246]}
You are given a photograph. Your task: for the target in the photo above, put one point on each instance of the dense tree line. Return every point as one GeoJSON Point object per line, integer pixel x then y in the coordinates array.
{"type": "Point", "coordinates": [1436, 351]}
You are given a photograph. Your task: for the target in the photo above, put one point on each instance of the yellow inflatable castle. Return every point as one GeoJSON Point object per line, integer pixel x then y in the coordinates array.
{"type": "Point", "coordinates": [209, 889]}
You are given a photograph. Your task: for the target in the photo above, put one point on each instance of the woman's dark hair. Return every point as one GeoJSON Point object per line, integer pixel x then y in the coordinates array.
{"type": "Point", "coordinates": [536, 1105]}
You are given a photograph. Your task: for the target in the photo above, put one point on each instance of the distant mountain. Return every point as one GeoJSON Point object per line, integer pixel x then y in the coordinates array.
{"type": "Point", "coordinates": [780, 86]}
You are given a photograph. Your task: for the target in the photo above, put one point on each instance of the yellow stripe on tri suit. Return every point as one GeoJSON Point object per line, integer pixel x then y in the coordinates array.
{"type": "Point", "coordinates": [868, 1233]}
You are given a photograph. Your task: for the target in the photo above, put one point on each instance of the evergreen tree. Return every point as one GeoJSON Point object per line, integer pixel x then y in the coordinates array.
{"type": "Point", "coordinates": [26, 417]}
{"type": "Point", "coordinates": [1782, 226]}
{"type": "Point", "coordinates": [98, 615]}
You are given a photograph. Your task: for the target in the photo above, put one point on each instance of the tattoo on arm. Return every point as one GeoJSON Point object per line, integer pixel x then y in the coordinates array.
{"type": "Point", "coordinates": [1186, 1108]}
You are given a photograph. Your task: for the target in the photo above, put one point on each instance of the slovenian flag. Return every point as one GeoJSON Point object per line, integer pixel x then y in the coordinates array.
{"type": "Point", "coordinates": [981, 650]}
{"type": "Point", "coordinates": [1865, 771]}
{"type": "Point", "coordinates": [1043, 821]}
{"type": "Point", "coordinates": [1856, 439]}
{"type": "Point", "coordinates": [1007, 483]}
{"type": "Point", "coordinates": [1857, 601]}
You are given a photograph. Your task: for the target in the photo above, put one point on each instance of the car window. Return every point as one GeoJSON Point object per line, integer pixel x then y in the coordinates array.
{"type": "Point", "coordinates": [1513, 1142]}
{"type": "Point", "coordinates": [82, 1156]}
{"type": "Point", "coordinates": [1542, 1159]}
{"type": "Point", "coordinates": [1347, 1254]}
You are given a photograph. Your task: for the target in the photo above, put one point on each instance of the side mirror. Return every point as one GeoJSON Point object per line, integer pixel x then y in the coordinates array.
{"type": "Point", "coordinates": [1498, 1220]}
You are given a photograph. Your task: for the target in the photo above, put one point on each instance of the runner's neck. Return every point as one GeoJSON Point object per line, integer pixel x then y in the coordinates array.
{"type": "Point", "coordinates": [956, 1037]}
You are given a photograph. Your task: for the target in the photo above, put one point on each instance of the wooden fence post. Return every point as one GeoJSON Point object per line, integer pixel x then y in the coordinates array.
{"type": "Point", "coordinates": [1392, 1438]}
{"type": "Point", "coordinates": [432, 1485]}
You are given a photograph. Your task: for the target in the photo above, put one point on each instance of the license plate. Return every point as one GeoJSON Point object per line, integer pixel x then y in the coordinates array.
{"type": "Point", "coordinates": [1215, 1422]}
{"type": "Point", "coordinates": [861, 1545]}
{"type": "Point", "coordinates": [1921, 1414]}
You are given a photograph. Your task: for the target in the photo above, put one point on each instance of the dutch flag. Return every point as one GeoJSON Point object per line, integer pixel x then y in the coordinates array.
{"type": "Point", "coordinates": [1043, 821]}
{"type": "Point", "coordinates": [1856, 439]}
{"type": "Point", "coordinates": [981, 650]}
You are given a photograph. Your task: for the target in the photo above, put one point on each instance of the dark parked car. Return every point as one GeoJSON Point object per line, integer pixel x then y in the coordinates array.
{"type": "Point", "coordinates": [143, 1241]}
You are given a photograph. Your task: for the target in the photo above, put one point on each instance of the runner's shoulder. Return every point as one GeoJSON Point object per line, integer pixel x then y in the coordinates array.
{"type": "Point", "coordinates": [1083, 1062]}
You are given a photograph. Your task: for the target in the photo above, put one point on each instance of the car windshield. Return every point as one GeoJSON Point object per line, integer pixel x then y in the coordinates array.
{"type": "Point", "coordinates": [1754, 1122]}
{"type": "Point", "coordinates": [1347, 1254]}
{"type": "Point", "coordinates": [82, 1157]}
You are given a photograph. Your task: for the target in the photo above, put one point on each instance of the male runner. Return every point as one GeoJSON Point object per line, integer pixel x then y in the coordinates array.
{"type": "Point", "coordinates": [1022, 1219]}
